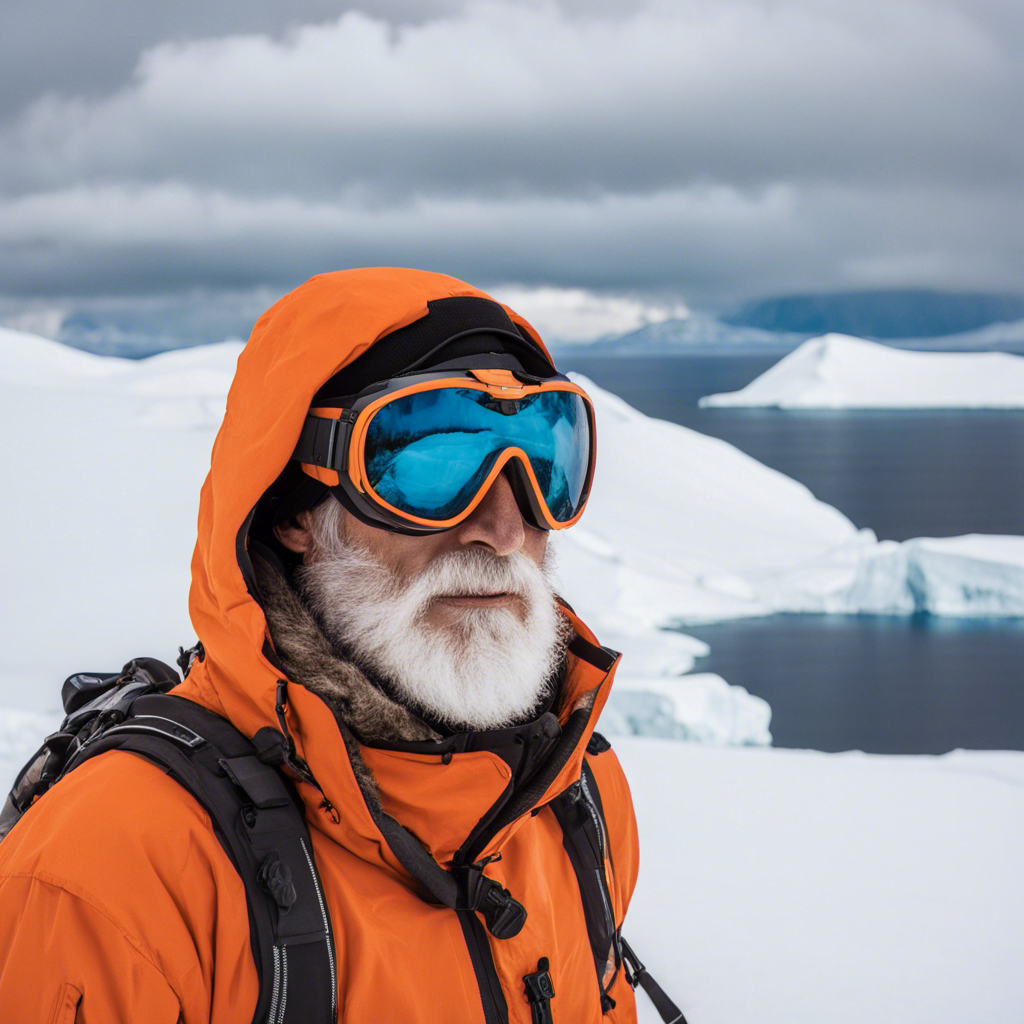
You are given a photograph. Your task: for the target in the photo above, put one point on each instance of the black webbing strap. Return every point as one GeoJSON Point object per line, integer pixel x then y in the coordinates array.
{"type": "Point", "coordinates": [316, 444]}
{"type": "Point", "coordinates": [260, 823]}
{"type": "Point", "coordinates": [637, 974]}
{"type": "Point", "coordinates": [583, 835]}
{"type": "Point", "coordinates": [470, 889]}
{"type": "Point", "coordinates": [580, 813]}
{"type": "Point", "coordinates": [466, 889]}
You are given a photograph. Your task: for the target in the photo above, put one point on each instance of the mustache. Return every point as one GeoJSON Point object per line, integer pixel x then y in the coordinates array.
{"type": "Point", "coordinates": [476, 572]}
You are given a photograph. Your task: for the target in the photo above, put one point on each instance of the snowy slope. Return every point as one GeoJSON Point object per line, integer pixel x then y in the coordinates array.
{"type": "Point", "coordinates": [776, 886]}
{"type": "Point", "coordinates": [103, 460]}
{"type": "Point", "coordinates": [793, 887]}
{"type": "Point", "coordinates": [836, 371]}
{"type": "Point", "coordinates": [685, 528]}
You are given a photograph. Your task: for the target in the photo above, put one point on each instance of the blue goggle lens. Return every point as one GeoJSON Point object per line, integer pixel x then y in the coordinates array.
{"type": "Point", "coordinates": [428, 453]}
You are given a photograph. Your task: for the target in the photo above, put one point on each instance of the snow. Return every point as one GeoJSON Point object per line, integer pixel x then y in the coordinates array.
{"type": "Point", "coordinates": [837, 371]}
{"type": "Point", "coordinates": [794, 887]}
{"type": "Point", "coordinates": [103, 460]}
{"type": "Point", "coordinates": [776, 886]}
{"type": "Point", "coordinates": [684, 528]}
{"type": "Point", "coordinates": [21, 735]}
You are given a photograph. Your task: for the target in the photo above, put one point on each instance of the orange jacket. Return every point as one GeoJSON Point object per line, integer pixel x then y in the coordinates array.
{"type": "Point", "coordinates": [117, 901]}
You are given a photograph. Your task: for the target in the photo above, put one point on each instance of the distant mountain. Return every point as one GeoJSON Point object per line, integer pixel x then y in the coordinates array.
{"type": "Point", "coordinates": [699, 330]}
{"type": "Point", "coordinates": [907, 313]}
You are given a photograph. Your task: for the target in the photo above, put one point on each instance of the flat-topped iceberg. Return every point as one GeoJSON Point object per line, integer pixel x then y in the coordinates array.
{"type": "Point", "coordinates": [836, 371]}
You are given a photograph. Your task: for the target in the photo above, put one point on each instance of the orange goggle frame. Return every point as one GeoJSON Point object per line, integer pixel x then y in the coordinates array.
{"type": "Point", "coordinates": [333, 448]}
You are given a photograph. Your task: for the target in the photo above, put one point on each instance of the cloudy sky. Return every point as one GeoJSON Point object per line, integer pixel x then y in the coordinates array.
{"type": "Point", "coordinates": [605, 160]}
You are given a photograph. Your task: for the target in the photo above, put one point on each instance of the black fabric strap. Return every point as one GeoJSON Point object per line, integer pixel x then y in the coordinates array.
{"type": "Point", "coordinates": [670, 1013]}
{"type": "Point", "coordinates": [318, 441]}
{"type": "Point", "coordinates": [637, 974]}
{"type": "Point", "coordinates": [580, 813]}
{"type": "Point", "coordinates": [260, 823]}
{"type": "Point", "coordinates": [583, 838]}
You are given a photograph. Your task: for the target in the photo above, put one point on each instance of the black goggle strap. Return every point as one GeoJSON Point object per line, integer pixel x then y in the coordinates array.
{"type": "Point", "coordinates": [323, 441]}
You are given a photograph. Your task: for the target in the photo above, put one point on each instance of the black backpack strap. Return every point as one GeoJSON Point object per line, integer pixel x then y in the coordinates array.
{"type": "Point", "coordinates": [584, 837]}
{"type": "Point", "coordinates": [636, 974]}
{"type": "Point", "coordinates": [580, 813]}
{"type": "Point", "coordinates": [260, 822]}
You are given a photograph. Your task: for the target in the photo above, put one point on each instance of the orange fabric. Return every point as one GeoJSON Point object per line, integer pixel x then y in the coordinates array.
{"type": "Point", "coordinates": [117, 902]}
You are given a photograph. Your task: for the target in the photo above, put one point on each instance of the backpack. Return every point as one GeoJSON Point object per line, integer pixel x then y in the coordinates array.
{"type": "Point", "coordinates": [259, 819]}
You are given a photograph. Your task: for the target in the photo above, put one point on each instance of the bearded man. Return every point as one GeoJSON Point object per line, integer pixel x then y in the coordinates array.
{"type": "Point", "coordinates": [371, 588]}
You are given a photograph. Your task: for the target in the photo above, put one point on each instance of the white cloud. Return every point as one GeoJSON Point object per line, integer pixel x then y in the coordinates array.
{"type": "Point", "coordinates": [576, 314]}
{"type": "Point", "coordinates": [509, 96]}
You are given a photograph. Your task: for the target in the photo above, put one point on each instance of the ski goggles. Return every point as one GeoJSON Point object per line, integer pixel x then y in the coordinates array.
{"type": "Point", "coordinates": [418, 453]}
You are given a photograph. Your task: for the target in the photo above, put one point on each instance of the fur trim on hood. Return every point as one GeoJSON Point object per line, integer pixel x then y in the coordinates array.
{"type": "Point", "coordinates": [310, 661]}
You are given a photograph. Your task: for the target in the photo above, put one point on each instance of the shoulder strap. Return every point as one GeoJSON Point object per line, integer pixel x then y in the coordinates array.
{"type": "Point", "coordinates": [260, 823]}
{"type": "Point", "coordinates": [585, 837]}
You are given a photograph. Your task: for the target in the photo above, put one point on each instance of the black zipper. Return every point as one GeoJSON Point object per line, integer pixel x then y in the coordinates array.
{"type": "Point", "coordinates": [602, 837]}
{"type": "Point", "coordinates": [602, 885]}
{"type": "Point", "coordinates": [491, 995]}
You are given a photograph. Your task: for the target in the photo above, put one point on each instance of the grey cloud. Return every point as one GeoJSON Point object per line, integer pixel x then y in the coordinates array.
{"type": "Point", "coordinates": [538, 101]}
{"type": "Point", "coordinates": [716, 242]}
{"type": "Point", "coordinates": [718, 150]}
{"type": "Point", "coordinates": [89, 48]}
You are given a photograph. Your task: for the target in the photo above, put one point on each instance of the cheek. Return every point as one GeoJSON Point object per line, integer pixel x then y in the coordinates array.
{"type": "Point", "coordinates": [535, 544]}
{"type": "Point", "coordinates": [409, 556]}
{"type": "Point", "coordinates": [403, 555]}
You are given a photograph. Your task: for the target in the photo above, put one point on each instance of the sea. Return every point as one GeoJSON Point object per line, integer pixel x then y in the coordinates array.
{"type": "Point", "coordinates": [881, 684]}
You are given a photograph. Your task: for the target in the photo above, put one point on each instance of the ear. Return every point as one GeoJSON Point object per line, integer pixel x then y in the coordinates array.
{"type": "Point", "coordinates": [294, 533]}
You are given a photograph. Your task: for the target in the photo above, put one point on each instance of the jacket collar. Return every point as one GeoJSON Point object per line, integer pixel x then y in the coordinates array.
{"type": "Point", "coordinates": [454, 792]}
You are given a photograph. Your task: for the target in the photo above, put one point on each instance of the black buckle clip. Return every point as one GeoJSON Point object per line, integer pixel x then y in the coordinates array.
{"type": "Point", "coordinates": [631, 963]}
{"type": "Point", "coordinates": [503, 913]}
{"type": "Point", "coordinates": [540, 991]}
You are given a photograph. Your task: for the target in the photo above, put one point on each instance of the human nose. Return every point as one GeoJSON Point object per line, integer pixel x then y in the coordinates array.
{"type": "Point", "coordinates": [496, 523]}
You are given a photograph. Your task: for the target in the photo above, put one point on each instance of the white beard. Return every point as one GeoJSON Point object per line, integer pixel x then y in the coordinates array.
{"type": "Point", "coordinates": [486, 671]}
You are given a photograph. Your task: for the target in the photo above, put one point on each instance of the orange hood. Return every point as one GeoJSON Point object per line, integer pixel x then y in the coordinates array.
{"type": "Point", "coordinates": [294, 348]}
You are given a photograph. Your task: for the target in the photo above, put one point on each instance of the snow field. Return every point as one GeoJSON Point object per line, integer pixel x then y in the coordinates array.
{"type": "Point", "coordinates": [776, 886]}
{"type": "Point", "coordinates": [794, 887]}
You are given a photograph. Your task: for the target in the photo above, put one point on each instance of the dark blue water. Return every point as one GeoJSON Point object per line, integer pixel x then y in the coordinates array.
{"type": "Point", "coordinates": [878, 683]}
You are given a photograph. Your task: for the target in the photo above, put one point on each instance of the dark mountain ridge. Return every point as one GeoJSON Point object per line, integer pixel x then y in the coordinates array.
{"type": "Point", "coordinates": [881, 313]}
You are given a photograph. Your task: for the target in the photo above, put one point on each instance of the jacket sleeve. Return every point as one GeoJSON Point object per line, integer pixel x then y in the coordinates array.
{"type": "Point", "coordinates": [63, 960]}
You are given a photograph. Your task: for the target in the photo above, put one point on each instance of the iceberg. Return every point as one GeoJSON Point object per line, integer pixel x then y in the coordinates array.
{"type": "Point", "coordinates": [971, 576]}
{"type": "Point", "coordinates": [701, 707]}
{"type": "Point", "coordinates": [681, 528]}
{"type": "Point", "coordinates": [837, 371]}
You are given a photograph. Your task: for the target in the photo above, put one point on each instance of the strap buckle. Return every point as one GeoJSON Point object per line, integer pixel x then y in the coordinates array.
{"type": "Point", "coordinates": [540, 991]}
{"type": "Point", "coordinates": [503, 913]}
{"type": "Point", "coordinates": [632, 966]}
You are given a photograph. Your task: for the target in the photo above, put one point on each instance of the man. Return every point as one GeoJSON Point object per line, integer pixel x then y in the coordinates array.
{"type": "Point", "coordinates": [371, 577]}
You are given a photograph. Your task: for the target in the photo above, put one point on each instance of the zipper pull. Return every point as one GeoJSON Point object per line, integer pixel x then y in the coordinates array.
{"type": "Point", "coordinates": [540, 992]}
